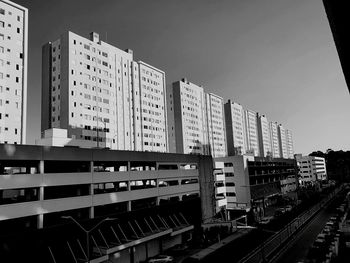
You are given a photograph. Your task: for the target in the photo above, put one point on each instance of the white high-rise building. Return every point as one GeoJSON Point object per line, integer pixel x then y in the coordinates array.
{"type": "Point", "coordinates": [100, 95]}
{"type": "Point", "coordinates": [290, 148]}
{"type": "Point", "coordinates": [197, 119]}
{"type": "Point", "coordinates": [235, 132]}
{"type": "Point", "coordinates": [13, 72]}
{"type": "Point", "coordinates": [282, 141]}
{"type": "Point", "coordinates": [251, 128]}
{"type": "Point", "coordinates": [275, 143]}
{"type": "Point", "coordinates": [216, 125]}
{"type": "Point", "coordinates": [264, 136]}
{"type": "Point", "coordinates": [190, 121]}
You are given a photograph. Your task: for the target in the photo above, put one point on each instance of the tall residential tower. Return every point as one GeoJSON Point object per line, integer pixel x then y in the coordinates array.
{"type": "Point", "coordinates": [101, 96]}
{"type": "Point", "coordinates": [216, 125]}
{"type": "Point", "coordinates": [235, 132]}
{"type": "Point", "coordinates": [13, 72]}
{"type": "Point", "coordinates": [264, 136]}
{"type": "Point", "coordinates": [197, 120]}
{"type": "Point", "coordinates": [251, 128]}
{"type": "Point", "coordinates": [282, 141]}
{"type": "Point", "coordinates": [275, 142]}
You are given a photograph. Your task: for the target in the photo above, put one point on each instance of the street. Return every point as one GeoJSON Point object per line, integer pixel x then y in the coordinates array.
{"type": "Point", "coordinates": [305, 239]}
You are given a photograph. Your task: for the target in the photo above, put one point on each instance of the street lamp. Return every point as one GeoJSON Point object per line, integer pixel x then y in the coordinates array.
{"type": "Point", "coordinates": [87, 232]}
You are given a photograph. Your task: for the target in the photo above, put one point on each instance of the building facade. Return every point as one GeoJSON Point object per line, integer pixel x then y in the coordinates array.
{"type": "Point", "coordinates": [216, 125]}
{"type": "Point", "coordinates": [282, 141]}
{"type": "Point", "coordinates": [98, 93]}
{"type": "Point", "coordinates": [251, 128]}
{"type": "Point", "coordinates": [13, 72]}
{"type": "Point", "coordinates": [275, 143]}
{"type": "Point", "coordinates": [254, 182]}
{"type": "Point", "coordinates": [235, 130]}
{"type": "Point", "coordinates": [290, 147]}
{"type": "Point", "coordinates": [42, 185]}
{"type": "Point", "coordinates": [264, 136]}
{"type": "Point", "coordinates": [190, 121]}
{"type": "Point", "coordinates": [197, 119]}
{"type": "Point", "coordinates": [311, 169]}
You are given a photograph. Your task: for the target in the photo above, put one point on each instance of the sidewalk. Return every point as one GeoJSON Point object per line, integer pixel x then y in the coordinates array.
{"type": "Point", "coordinates": [202, 253]}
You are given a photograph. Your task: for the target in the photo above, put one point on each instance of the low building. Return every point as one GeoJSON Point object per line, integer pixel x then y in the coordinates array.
{"type": "Point", "coordinates": [255, 182]}
{"type": "Point", "coordinates": [311, 169]}
{"type": "Point", "coordinates": [153, 198]}
{"type": "Point", "coordinates": [220, 187]}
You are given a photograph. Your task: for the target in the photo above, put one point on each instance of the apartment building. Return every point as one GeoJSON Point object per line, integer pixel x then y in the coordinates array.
{"type": "Point", "coordinates": [282, 141]}
{"type": "Point", "coordinates": [13, 72]}
{"type": "Point", "coordinates": [190, 121]}
{"type": "Point", "coordinates": [43, 185]}
{"type": "Point", "coordinates": [197, 119]}
{"type": "Point", "coordinates": [275, 142]}
{"type": "Point", "coordinates": [264, 136]}
{"type": "Point", "coordinates": [98, 93]}
{"type": "Point", "coordinates": [311, 169]}
{"type": "Point", "coordinates": [235, 130]}
{"type": "Point", "coordinates": [290, 147]}
{"type": "Point", "coordinates": [251, 128]}
{"type": "Point", "coordinates": [216, 125]}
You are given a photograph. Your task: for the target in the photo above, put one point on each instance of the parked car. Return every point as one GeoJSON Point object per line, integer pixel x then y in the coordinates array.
{"type": "Point", "coordinates": [177, 249]}
{"type": "Point", "coordinates": [279, 212]}
{"type": "Point", "coordinates": [161, 259]}
{"type": "Point", "coordinates": [265, 220]}
{"type": "Point", "coordinates": [288, 208]}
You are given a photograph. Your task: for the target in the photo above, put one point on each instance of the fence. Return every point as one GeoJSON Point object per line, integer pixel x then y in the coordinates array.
{"type": "Point", "coordinates": [271, 245]}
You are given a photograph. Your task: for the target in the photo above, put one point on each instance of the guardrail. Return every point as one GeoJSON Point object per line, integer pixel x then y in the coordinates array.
{"type": "Point", "coordinates": [267, 248]}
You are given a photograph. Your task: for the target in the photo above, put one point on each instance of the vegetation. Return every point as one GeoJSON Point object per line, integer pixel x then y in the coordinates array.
{"type": "Point", "coordinates": [338, 164]}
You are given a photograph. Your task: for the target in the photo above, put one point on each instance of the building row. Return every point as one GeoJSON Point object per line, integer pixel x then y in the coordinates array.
{"type": "Point", "coordinates": [97, 95]}
{"type": "Point", "coordinates": [249, 132]}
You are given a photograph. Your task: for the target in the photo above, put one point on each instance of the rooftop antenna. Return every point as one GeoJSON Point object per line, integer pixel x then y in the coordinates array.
{"type": "Point", "coordinates": [106, 36]}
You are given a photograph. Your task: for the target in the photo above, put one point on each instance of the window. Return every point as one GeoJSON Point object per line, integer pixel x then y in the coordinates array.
{"type": "Point", "coordinates": [2, 11]}
{"type": "Point", "coordinates": [2, 24]}
{"type": "Point", "coordinates": [18, 30]}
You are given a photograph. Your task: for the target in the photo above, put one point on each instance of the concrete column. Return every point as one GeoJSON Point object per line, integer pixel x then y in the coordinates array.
{"type": "Point", "coordinates": [129, 206]}
{"type": "Point", "coordinates": [41, 193]}
{"type": "Point", "coordinates": [91, 166]}
{"type": "Point", "coordinates": [41, 167]}
{"type": "Point", "coordinates": [91, 191]}
{"type": "Point", "coordinates": [92, 212]}
{"type": "Point", "coordinates": [40, 221]}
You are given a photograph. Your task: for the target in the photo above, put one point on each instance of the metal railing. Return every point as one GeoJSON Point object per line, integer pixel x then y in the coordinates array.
{"type": "Point", "coordinates": [272, 244]}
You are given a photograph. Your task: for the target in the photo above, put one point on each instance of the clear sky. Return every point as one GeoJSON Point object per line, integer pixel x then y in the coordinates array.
{"type": "Point", "coordinates": [276, 57]}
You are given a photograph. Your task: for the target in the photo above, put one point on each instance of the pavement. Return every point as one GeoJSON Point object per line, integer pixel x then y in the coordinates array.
{"type": "Point", "coordinates": [201, 253]}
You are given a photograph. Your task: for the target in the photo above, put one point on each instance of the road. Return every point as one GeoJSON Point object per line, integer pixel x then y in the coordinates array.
{"type": "Point", "coordinates": [306, 237]}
